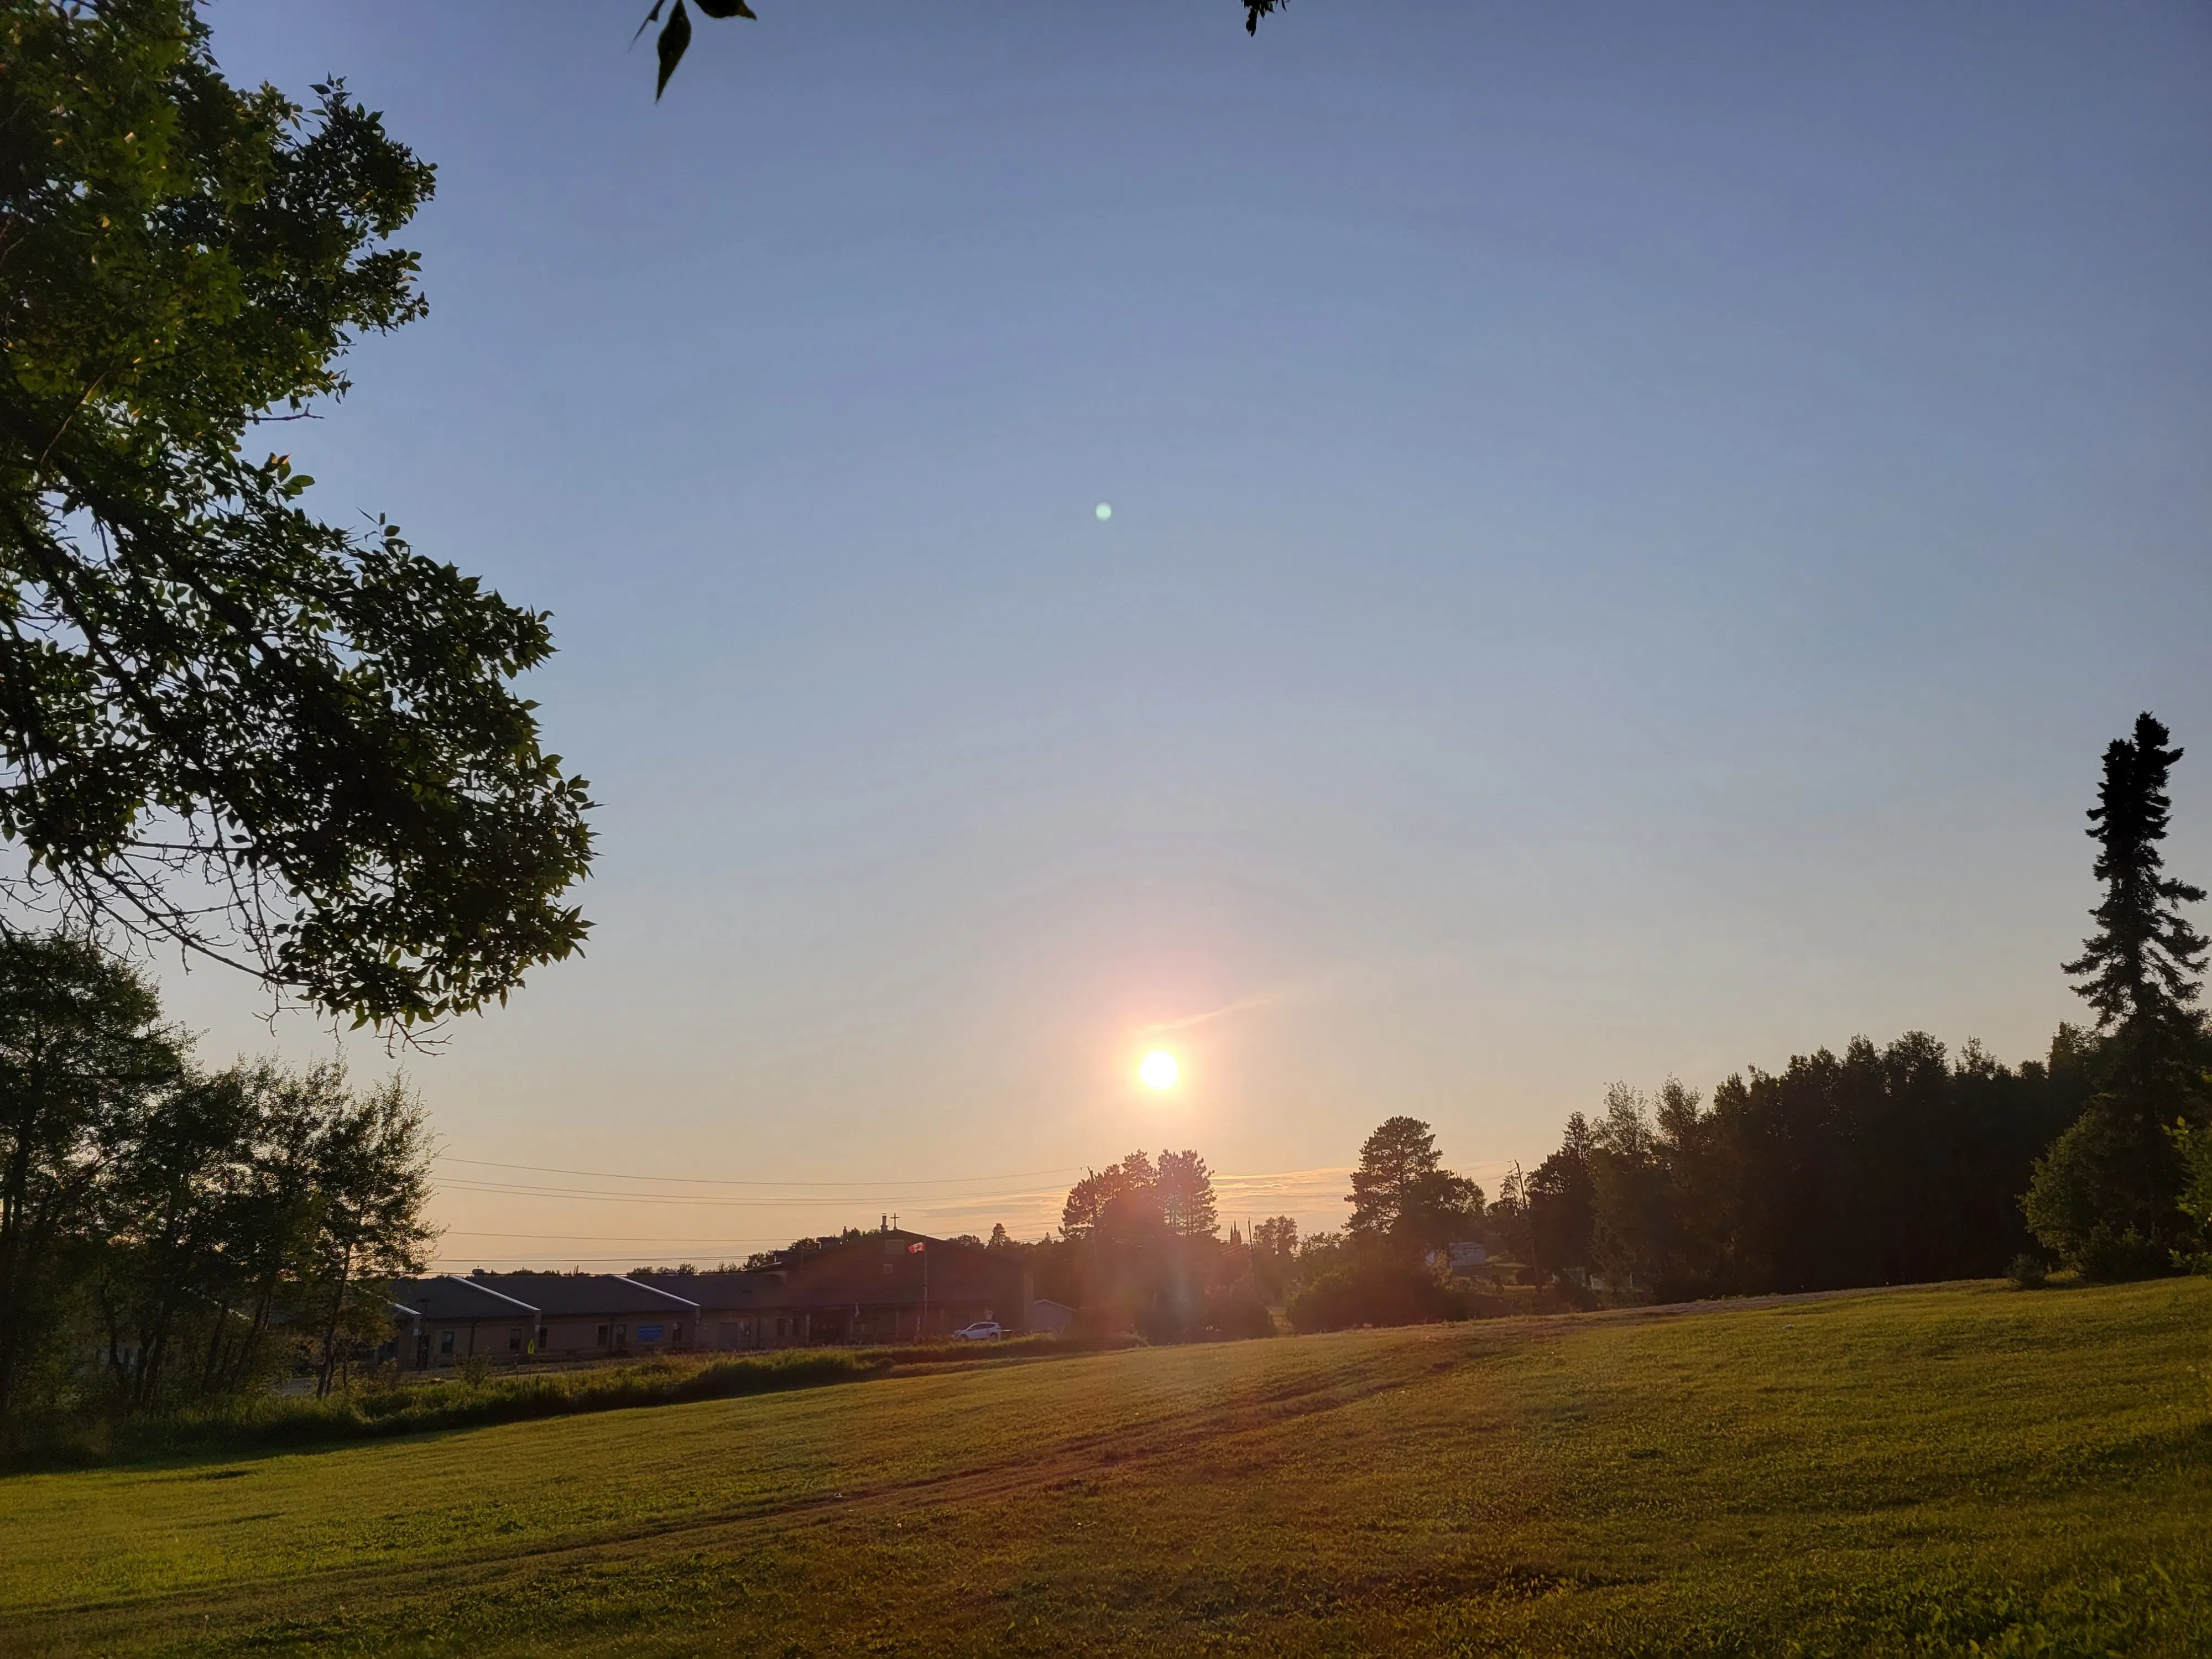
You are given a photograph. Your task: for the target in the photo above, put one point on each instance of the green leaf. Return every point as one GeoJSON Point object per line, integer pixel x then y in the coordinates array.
{"type": "Point", "coordinates": [674, 38]}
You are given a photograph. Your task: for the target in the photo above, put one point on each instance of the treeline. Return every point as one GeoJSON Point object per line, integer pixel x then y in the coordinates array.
{"type": "Point", "coordinates": [170, 1236]}
{"type": "Point", "coordinates": [1884, 1164]}
{"type": "Point", "coordinates": [1880, 1165]}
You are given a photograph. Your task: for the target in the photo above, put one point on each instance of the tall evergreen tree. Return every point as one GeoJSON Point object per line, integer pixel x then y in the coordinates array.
{"type": "Point", "coordinates": [1560, 1204]}
{"type": "Point", "coordinates": [2143, 966]}
{"type": "Point", "coordinates": [1186, 1189]}
{"type": "Point", "coordinates": [2105, 1197]}
{"type": "Point", "coordinates": [1402, 1193]}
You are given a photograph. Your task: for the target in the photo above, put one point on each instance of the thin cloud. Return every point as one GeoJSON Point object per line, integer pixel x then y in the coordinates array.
{"type": "Point", "coordinates": [1243, 1004]}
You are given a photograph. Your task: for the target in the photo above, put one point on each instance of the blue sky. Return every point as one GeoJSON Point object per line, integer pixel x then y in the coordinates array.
{"type": "Point", "coordinates": [1631, 526]}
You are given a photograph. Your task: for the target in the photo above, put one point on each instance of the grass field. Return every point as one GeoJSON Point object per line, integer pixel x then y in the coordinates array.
{"type": "Point", "coordinates": [1956, 1470]}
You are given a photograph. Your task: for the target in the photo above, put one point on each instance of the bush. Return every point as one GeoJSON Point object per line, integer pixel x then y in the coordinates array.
{"type": "Point", "coordinates": [1236, 1317]}
{"type": "Point", "coordinates": [2116, 1255]}
{"type": "Point", "coordinates": [270, 1420]}
{"type": "Point", "coordinates": [1374, 1293]}
{"type": "Point", "coordinates": [2027, 1272]}
{"type": "Point", "coordinates": [2086, 1203]}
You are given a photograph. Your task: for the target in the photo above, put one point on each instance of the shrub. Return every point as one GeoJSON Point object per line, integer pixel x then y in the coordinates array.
{"type": "Point", "coordinates": [2085, 1202]}
{"type": "Point", "coordinates": [1238, 1316]}
{"type": "Point", "coordinates": [268, 1420]}
{"type": "Point", "coordinates": [2117, 1255]}
{"type": "Point", "coordinates": [2027, 1272]}
{"type": "Point", "coordinates": [1374, 1293]}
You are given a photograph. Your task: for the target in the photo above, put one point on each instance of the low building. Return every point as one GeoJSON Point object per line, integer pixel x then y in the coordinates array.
{"type": "Point", "coordinates": [584, 1316]}
{"type": "Point", "coordinates": [890, 1286]}
{"type": "Point", "coordinates": [1050, 1318]}
{"type": "Point", "coordinates": [737, 1310]}
{"type": "Point", "coordinates": [880, 1287]}
{"type": "Point", "coordinates": [442, 1320]}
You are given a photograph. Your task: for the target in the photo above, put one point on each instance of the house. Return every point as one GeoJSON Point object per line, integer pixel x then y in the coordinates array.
{"type": "Point", "coordinates": [441, 1320]}
{"type": "Point", "coordinates": [582, 1316]}
{"type": "Point", "coordinates": [890, 1286]}
{"type": "Point", "coordinates": [1050, 1318]}
{"type": "Point", "coordinates": [1454, 1258]}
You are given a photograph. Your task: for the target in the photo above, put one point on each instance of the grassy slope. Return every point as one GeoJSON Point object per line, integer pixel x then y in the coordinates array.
{"type": "Point", "coordinates": [1908, 1471]}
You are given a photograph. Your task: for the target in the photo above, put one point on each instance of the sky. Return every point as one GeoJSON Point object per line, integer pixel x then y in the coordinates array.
{"type": "Point", "coordinates": [1630, 528]}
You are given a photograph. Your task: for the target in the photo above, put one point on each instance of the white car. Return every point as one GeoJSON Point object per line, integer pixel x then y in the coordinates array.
{"type": "Point", "coordinates": [983, 1330]}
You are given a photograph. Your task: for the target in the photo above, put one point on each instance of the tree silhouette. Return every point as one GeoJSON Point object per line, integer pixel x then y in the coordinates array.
{"type": "Point", "coordinates": [1402, 1191]}
{"type": "Point", "coordinates": [2144, 963]}
{"type": "Point", "coordinates": [224, 724]}
{"type": "Point", "coordinates": [2106, 1197]}
{"type": "Point", "coordinates": [1186, 1190]}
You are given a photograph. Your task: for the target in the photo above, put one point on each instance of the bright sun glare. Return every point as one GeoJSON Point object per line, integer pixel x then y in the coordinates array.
{"type": "Point", "coordinates": [1158, 1069]}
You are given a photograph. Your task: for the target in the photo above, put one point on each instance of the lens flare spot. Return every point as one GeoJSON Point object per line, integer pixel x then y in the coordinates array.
{"type": "Point", "coordinates": [1159, 1070]}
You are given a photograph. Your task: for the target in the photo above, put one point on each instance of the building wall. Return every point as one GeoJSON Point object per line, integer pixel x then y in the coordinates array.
{"type": "Point", "coordinates": [584, 1335]}
{"type": "Point", "coordinates": [453, 1340]}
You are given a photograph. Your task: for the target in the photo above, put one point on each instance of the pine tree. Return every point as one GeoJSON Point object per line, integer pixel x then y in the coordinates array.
{"type": "Point", "coordinates": [2105, 1197]}
{"type": "Point", "coordinates": [2143, 966]}
{"type": "Point", "coordinates": [1402, 1193]}
{"type": "Point", "coordinates": [1186, 1190]}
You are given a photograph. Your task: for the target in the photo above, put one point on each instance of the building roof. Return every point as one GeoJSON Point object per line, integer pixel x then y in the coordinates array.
{"type": "Point", "coordinates": [892, 1267]}
{"type": "Point", "coordinates": [725, 1292]}
{"type": "Point", "coordinates": [448, 1296]}
{"type": "Point", "coordinates": [587, 1295]}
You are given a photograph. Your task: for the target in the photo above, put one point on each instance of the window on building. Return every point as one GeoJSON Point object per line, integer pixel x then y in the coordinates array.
{"type": "Point", "coordinates": [515, 1340]}
{"type": "Point", "coordinates": [603, 1336]}
{"type": "Point", "coordinates": [445, 1344]}
{"type": "Point", "coordinates": [677, 1335]}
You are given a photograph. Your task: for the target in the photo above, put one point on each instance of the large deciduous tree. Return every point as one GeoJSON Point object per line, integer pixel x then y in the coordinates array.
{"type": "Point", "coordinates": [1087, 1199]}
{"type": "Point", "coordinates": [224, 723]}
{"type": "Point", "coordinates": [82, 1053]}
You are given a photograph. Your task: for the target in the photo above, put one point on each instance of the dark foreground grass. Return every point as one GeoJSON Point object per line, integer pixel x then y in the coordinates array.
{"type": "Point", "coordinates": [1953, 1470]}
{"type": "Point", "coordinates": [369, 1414]}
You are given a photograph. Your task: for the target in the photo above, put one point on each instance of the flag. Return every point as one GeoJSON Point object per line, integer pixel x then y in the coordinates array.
{"type": "Point", "coordinates": [914, 1248]}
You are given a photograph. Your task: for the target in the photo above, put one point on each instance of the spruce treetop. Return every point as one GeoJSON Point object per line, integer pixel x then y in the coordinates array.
{"type": "Point", "coordinates": [2145, 963]}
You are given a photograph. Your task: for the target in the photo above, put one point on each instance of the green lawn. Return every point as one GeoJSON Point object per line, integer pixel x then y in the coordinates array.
{"type": "Point", "coordinates": [1960, 1469]}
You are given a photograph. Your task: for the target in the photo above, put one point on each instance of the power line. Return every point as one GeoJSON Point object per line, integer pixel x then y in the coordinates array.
{"type": "Point", "coordinates": [720, 1180]}
{"type": "Point", "coordinates": [616, 1239]}
{"type": "Point", "coordinates": [709, 1200]}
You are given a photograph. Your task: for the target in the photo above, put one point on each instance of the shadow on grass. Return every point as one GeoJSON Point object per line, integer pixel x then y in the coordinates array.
{"type": "Point", "coordinates": [272, 1422]}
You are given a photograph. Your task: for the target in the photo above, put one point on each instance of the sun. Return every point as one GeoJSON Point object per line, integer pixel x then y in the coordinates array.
{"type": "Point", "coordinates": [1159, 1070]}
